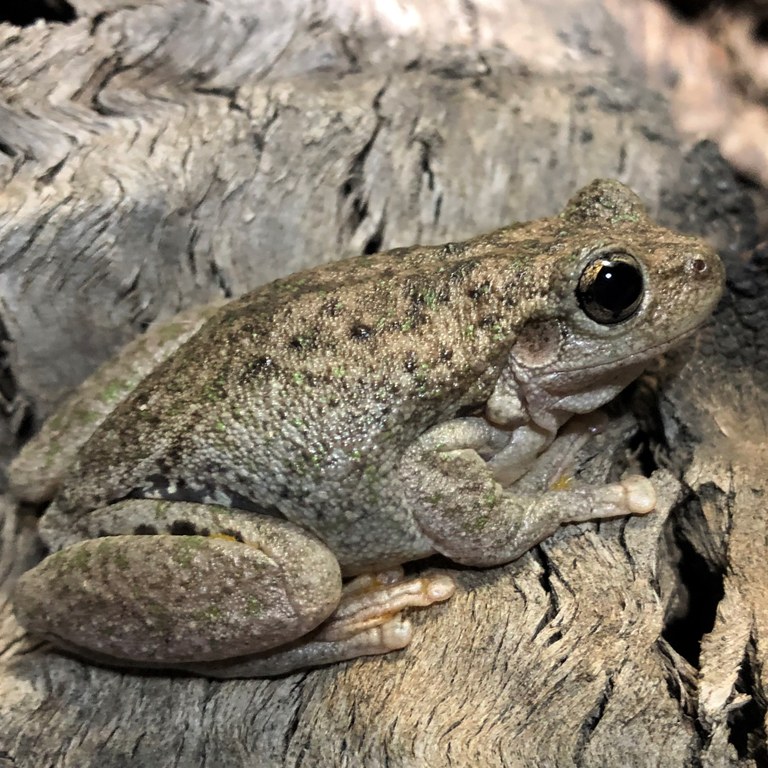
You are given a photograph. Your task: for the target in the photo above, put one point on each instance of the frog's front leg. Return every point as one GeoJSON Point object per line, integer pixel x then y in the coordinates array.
{"type": "Point", "coordinates": [450, 479]}
{"type": "Point", "coordinates": [188, 585]}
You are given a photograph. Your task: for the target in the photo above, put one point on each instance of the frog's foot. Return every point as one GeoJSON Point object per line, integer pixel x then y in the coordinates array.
{"type": "Point", "coordinates": [374, 601]}
{"type": "Point", "coordinates": [367, 622]}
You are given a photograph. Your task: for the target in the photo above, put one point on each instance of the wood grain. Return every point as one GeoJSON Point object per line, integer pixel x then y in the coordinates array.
{"type": "Point", "coordinates": [154, 156]}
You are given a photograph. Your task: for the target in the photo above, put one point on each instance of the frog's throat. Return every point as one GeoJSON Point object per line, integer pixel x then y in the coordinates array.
{"type": "Point", "coordinates": [549, 399]}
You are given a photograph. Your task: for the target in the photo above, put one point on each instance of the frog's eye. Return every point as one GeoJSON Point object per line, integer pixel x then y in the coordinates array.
{"type": "Point", "coordinates": [610, 288]}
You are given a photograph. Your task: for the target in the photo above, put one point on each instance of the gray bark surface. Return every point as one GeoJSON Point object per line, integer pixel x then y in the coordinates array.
{"type": "Point", "coordinates": [154, 156]}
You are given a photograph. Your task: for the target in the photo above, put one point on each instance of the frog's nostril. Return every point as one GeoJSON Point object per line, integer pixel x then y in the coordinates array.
{"type": "Point", "coordinates": [699, 266]}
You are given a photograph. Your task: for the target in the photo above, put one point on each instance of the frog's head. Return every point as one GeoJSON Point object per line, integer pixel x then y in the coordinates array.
{"type": "Point", "coordinates": [622, 290]}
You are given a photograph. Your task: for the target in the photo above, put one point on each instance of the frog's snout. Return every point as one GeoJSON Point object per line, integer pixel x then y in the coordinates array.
{"type": "Point", "coordinates": [706, 268]}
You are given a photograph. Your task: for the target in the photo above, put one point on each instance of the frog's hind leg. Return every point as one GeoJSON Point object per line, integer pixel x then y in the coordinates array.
{"type": "Point", "coordinates": [215, 592]}
{"type": "Point", "coordinates": [179, 582]}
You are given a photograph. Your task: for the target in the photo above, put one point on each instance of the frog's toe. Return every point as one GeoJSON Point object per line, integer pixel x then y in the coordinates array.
{"type": "Point", "coordinates": [640, 494]}
{"type": "Point", "coordinates": [634, 495]}
{"type": "Point", "coordinates": [393, 634]}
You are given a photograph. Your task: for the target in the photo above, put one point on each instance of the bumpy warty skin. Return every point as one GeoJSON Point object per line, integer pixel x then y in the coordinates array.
{"type": "Point", "coordinates": [300, 398]}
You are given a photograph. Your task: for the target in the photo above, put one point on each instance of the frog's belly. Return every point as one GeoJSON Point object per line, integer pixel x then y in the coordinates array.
{"type": "Point", "coordinates": [365, 538]}
{"type": "Point", "coordinates": [362, 517]}
{"type": "Point", "coordinates": [364, 527]}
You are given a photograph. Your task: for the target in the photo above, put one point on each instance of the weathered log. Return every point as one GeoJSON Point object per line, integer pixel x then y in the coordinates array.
{"type": "Point", "coordinates": [155, 156]}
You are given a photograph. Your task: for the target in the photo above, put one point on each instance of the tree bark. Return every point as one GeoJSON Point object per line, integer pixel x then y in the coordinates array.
{"type": "Point", "coordinates": [154, 156]}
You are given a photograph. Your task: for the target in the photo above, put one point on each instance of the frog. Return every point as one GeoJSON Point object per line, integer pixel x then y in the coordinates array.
{"type": "Point", "coordinates": [238, 492]}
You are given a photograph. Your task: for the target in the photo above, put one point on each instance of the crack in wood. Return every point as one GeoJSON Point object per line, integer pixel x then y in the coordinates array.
{"type": "Point", "coordinates": [103, 73]}
{"type": "Point", "coordinates": [593, 718]}
{"type": "Point", "coordinates": [351, 191]}
{"type": "Point", "coordinates": [747, 723]}
{"type": "Point", "coordinates": [545, 580]}
{"type": "Point", "coordinates": [228, 94]}
{"type": "Point", "coordinates": [15, 407]}
{"type": "Point", "coordinates": [700, 579]}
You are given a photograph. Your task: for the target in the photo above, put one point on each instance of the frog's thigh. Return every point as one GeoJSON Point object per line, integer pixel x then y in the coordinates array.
{"type": "Point", "coordinates": [169, 599]}
{"type": "Point", "coordinates": [37, 471]}
{"type": "Point", "coordinates": [472, 519]}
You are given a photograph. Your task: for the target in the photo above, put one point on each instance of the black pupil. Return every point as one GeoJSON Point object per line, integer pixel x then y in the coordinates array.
{"type": "Point", "coordinates": [615, 289]}
{"type": "Point", "coordinates": [617, 286]}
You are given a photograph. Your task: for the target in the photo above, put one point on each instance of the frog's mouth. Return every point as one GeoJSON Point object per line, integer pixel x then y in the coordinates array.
{"type": "Point", "coordinates": [550, 398]}
{"type": "Point", "coordinates": [641, 358]}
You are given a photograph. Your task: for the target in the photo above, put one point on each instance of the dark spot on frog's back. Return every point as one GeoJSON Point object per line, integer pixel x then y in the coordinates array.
{"type": "Point", "coordinates": [145, 530]}
{"type": "Point", "coordinates": [303, 342]}
{"type": "Point", "coordinates": [141, 397]}
{"type": "Point", "coordinates": [255, 367]}
{"type": "Point", "coordinates": [446, 355]}
{"type": "Point", "coordinates": [182, 528]}
{"type": "Point", "coordinates": [462, 270]}
{"type": "Point", "coordinates": [361, 332]}
{"type": "Point", "coordinates": [231, 532]}
{"type": "Point", "coordinates": [410, 362]}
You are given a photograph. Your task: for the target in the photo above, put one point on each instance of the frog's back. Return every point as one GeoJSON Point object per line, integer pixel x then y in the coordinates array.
{"type": "Point", "coordinates": [313, 385]}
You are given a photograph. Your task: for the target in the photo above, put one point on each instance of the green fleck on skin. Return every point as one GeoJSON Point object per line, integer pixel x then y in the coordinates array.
{"type": "Point", "coordinates": [78, 560]}
{"type": "Point", "coordinates": [631, 218]}
{"type": "Point", "coordinates": [186, 547]}
{"type": "Point", "coordinates": [477, 524]}
{"type": "Point", "coordinates": [116, 390]}
{"type": "Point", "coordinates": [212, 393]}
{"type": "Point", "coordinates": [254, 607]}
{"type": "Point", "coordinates": [210, 615]}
